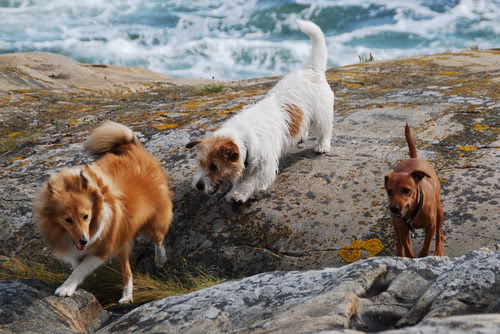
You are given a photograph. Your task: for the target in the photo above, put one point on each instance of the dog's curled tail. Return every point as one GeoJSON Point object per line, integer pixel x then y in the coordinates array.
{"type": "Point", "coordinates": [319, 52]}
{"type": "Point", "coordinates": [411, 144]}
{"type": "Point", "coordinates": [110, 137]}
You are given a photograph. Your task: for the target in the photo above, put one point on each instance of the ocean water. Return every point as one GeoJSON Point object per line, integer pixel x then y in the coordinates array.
{"type": "Point", "coordinates": [240, 39]}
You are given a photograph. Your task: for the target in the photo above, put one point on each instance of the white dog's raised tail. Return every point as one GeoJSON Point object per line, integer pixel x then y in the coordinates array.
{"type": "Point", "coordinates": [319, 52]}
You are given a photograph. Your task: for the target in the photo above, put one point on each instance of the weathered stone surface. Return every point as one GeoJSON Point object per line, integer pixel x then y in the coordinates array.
{"type": "Point", "coordinates": [319, 204]}
{"type": "Point", "coordinates": [28, 306]}
{"type": "Point", "coordinates": [464, 324]}
{"type": "Point", "coordinates": [373, 294]}
{"type": "Point", "coordinates": [43, 70]}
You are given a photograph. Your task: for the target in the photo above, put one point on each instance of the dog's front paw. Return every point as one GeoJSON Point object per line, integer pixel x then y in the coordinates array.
{"type": "Point", "coordinates": [66, 290]}
{"type": "Point", "coordinates": [238, 197]}
{"type": "Point", "coordinates": [126, 299]}
{"type": "Point", "coordinates": [322, 148]}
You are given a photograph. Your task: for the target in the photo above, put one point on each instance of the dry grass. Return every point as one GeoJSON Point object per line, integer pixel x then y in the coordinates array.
{"type": "Point", "coordinates": [106, 283]}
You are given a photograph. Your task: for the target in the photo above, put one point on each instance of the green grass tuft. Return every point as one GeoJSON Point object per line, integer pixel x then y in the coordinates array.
{"type": "Point", "coordinates": [212, 89]}
{"type": "Point", "coordinates": [365, 58]}
{"type": "Point", "coordinates": [106, 282]}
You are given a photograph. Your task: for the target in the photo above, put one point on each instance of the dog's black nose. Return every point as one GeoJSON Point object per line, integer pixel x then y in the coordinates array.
{"type": "Point", "coordinates": [200, 185]}
{"type": "Point", "coordinates": [83, 241]}
{"type": "Point", "coordinates": [395, 209]}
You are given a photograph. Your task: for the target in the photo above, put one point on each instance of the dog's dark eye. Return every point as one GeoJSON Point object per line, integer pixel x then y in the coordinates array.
{"type": "Point", "coordinates": [85, 217]}
{"type": "Point", "coordinates": [406, 191]}
{"type": "Point", "coordinates": [68, 220]}
{"type": "Point", "coordinates": [213, 167]}
{"type": "Point", "coordinates": [389, 192]}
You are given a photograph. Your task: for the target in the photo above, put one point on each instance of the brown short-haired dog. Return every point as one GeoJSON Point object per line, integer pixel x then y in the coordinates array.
{"type": "Point", "coordinates": [414, 201]}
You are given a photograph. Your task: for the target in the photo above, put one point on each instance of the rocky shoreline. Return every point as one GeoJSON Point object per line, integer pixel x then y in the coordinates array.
{"type": "Point", "coordinates": [323, 211]}
{"type": "Point", "coordinates": [428, 295]}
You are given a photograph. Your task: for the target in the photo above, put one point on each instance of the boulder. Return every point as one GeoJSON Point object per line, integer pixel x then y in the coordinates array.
{"type": "Point", "coordinates": [378, 294]}
{"type": "Point", "coordinates": [44, 70]}
{"type": "Point", "coordinates": [29, 306]}
{"type": "Point", "coordinates": [323, 211]}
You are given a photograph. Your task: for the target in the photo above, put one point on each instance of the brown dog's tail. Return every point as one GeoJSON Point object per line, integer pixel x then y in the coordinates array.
{"type": "Point", "coordinates": [411, 143]}
{"type": "Point", "coordinates": [111, 137]}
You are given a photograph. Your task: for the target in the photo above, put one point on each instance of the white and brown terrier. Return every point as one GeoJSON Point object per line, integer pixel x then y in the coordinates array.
{"type": "Point", "coordinates": [246, 150]}
{"type": "Point", "coordinates": [414, 201]}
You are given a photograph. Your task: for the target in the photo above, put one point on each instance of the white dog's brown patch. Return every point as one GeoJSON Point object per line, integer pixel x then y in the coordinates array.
{"type": "Point", "coordinates": [296, 119]}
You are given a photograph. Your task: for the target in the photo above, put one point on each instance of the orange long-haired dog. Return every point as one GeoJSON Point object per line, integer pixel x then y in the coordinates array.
{"type": "Point", "coordinates": [88, 214]}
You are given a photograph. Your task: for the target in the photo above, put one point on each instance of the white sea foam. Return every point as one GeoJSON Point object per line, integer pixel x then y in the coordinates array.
{"type": "Point", "coordinates": [242, 38]}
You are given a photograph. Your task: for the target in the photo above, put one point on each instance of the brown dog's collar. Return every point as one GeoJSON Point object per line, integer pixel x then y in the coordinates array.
{"type": "Point", "coordinates": [409, 221]}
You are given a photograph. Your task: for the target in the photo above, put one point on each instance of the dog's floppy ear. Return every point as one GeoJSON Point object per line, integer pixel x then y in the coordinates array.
{"type": "Point", "coordinates": [193, 143]}
{"type": "Point", "coordinates": [231, 152]}
{"type": "Point", "coordinates": [233, 156]}
{"type": "Point", "coordinates": [418, 175]}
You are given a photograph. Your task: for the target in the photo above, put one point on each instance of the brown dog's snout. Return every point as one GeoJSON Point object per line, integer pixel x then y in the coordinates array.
{"type": "Point", "coordinates": [395, 209]}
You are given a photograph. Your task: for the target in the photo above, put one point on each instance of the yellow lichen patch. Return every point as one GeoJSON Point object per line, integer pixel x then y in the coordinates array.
{"type": "Point", "coordinates": [224, 112]}
{"type": "Point", "coordinates": [73, 122]}
{"type": "Point", "coordinates": [192, 104]}
{"type": "Point", "coordinates": [352, 252]}
{"type": "Point", "coordinates": [448, 73]}
{"type": "Point", "coordinates": [353, 85]}
{"type": "Point", "coordinates": [166, 126]}
{"type": "Point", "coordinates": [17, 159]}
{"type": "Point", "coordinates": [467, 148]}
{"type": "Point", "coordinates": [14, 134]}
{"type": "Point", "coordinates": [480, 127]}
{"type": "Point", "coordinates": [82, 110]}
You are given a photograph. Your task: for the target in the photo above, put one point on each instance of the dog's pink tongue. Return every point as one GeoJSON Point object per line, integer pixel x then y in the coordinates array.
{"type": "Point", "coordinates": [80, 247]}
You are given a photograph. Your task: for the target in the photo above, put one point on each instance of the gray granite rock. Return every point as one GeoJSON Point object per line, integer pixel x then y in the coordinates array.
{"type": "Point", "coordinates": [319, 205]}
{"type": "Point", "coordinates": [29, 306]}
{"type": "Point", "coordinates": [464, 324]}
{"type": "Point", "coordinates": [370, 295]}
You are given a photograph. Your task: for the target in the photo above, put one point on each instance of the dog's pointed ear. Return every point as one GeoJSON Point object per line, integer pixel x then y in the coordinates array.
{"type": "Point", "coordinates": [96, 197]}
{"type": "Point", "coordinates": [85, 181]}
{"type": "Point", "coordinates": [193, 143]}
{"type": "Point", "coordinates": [418, 175]}
{"type": "Point", "coordinates": [50, 188]}
{"type": "Point", "coordinates": [386, 178]}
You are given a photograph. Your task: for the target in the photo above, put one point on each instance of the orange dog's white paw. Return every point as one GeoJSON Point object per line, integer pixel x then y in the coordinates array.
{"type": "Point", "coordinates": [66, 290]}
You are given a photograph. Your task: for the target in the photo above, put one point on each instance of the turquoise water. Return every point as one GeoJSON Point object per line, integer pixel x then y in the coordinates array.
{"type": "Point", "coordinates": [242, 39]}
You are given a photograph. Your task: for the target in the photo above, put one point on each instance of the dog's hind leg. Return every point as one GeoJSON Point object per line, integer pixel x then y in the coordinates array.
{"type": "Point", "coordinates": [156, 228]}
{"type": "Point", "coordinates": [128, 285]}
{"type": "Point", "coordinates": [439, 232]}
{"type": "Point", "coordinates": [323, 123]}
